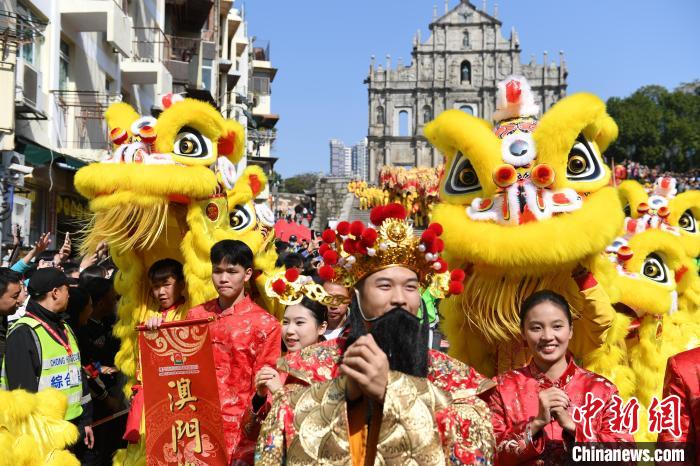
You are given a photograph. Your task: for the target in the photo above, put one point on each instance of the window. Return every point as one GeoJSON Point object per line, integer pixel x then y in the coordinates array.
{"type": "Point", "coordinates": [380, 115]}
{"type": "Point", "coordinates": [261, 84]}
{"type": "Point", "coordinates": [465, 39]}
{"type": "Point", "coordinates": [403, 123]}
{"type": "Point", "coordinates": [465, 72]}
{"type": "Point", "coordinates": [467, 109]}
{"type": "Point", "coordinates": [25, 30]}
{"type": "Point", "coordinates": [206, 73]}
{"type": "Point", "coordinates": [427, 114]}
{"type": "Point", "coordinates": [63, 65]}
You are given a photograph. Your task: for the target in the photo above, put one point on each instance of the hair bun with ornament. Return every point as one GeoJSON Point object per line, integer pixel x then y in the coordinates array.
{"type": "Point", "coordinates": [290, 287]}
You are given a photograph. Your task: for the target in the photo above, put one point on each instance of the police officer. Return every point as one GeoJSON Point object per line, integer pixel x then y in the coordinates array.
{"type": "Point", "coordinates": [42, 351]}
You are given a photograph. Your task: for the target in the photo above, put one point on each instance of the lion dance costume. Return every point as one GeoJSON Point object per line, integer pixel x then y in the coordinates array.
{"type": "Point", "coordinates": [525, 202]}
{"type": "Point", "coordinates": [170, 189]}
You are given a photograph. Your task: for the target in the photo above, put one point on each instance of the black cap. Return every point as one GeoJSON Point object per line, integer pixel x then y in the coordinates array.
{"type": "Point", "coordinates": [45, 280]}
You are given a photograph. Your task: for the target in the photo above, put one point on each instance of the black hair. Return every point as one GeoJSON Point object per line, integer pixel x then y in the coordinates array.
{"type": "Point", "coordinates": [88, 273]}
{"type": "Point", "coordinates": [97, 288]}
{"type": "Point", "coordinates": [318, 310]}
{"type": "Point", "coordinates": [293, 260]}
{"type": "Point", "coordinates": [69, 267]}
{"type": "Point", "coordinates": [8, 276]}
{"type": "Point", "coordinates": [233, 252]}
{"type": "Point", "coordinates": [163, 269]}
{"type": "Point", "coordinates": [78, 299]}
{"type": "Point", "coordinates": [544, 296]}
{"type": "Point", "coordinates": [47, 255]}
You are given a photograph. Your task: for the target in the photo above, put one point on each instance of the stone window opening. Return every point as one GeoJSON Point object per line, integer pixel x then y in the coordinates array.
{"type": "Point", "coordinates": [427, 113]}
{"type": "Point", "coordinates": [403, 123]}
{"type": "Point", "coordinates": [465, 72]}
{"type": "Point", "coordinates": [380, 115]}
{"type": "Point", "coordinates": [465, 39]}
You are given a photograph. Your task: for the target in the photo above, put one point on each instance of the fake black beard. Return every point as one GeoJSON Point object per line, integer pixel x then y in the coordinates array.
{"type": "Point", "coordinates": [400, 334]}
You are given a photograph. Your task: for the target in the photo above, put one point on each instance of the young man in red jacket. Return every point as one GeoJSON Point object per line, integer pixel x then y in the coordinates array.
{"type": "Point", "coordinates": [245, 337]}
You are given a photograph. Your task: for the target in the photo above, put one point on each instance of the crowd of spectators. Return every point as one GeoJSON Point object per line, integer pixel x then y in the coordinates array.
{"type": "Point", "coordinates": [90, 311]}
{"type": "Point", "coordinates": [646, 175]}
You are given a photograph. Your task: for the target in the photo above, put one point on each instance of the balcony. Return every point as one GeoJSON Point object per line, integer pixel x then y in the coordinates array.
{"type": "Point", "coordinates": [183, 58]}
{"type": "Point", "coordinates": [81, 129]}
{"type": "Point", "coordinates": [99, 16]}
{"type": "Point", "coordinates": [261, 59]}
{"type": "Point", "coordinates": [234, 21]}
{"type": "Point", "coordinates": [150, 49]}
{"type": "Point", "coordinates": [188, 16]}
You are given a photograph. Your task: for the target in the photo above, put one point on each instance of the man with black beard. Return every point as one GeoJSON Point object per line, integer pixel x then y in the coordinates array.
{"type": "Point", "coordinates": [379, 396]}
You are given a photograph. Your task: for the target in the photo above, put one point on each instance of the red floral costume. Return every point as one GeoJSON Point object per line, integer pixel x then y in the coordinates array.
{"type": "Point", "coordinates": [515, 402]}
{"type": "Point", "coordinates": [245, 337]}
{"type": "Point", "coordinates": [683, 380]}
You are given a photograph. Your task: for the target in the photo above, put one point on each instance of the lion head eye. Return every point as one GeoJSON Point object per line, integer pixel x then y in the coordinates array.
{"type": "Point", "coordinates": [583, 163]}
{"type": "Point", "coordinates": [687, 222]}
{"type": "Point", "coordinates": [462, 178]}
{"type": "Point", "coordinates": [655, 269]}
{"type": "Point", "coordinates": [191, 143]}
{"type": "Point", "coordinates": [241, 218]}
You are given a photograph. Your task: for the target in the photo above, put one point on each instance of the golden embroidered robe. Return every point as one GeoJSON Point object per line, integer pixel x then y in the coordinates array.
{"type": "Point", "coordinates": [437, 420]}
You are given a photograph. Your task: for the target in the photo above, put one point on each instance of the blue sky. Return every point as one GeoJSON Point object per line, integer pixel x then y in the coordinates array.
{"type": "Point", "coordinates": [322, 49]}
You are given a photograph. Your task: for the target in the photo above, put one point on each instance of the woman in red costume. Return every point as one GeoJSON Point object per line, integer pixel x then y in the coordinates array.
{"type": "Point", "coordinates": [683, 381]}
{"type": "Point", "coordinates": [533, 408]}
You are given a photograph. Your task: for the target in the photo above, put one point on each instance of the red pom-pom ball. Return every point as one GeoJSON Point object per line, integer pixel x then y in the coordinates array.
{"type": "Point", "coordinates": [395, 210]}
{"type": "Point", "coordinates": [356, 228]}
{"type": "Point", "coordinates": [326, 273]}
{"type": "Point", "coordinates": [376, 215]}
{"type": "Point", "coordinates": [278, 286]}
{"type": "Point", "coordinates": [435, 228]}
{"type": "Point", "coordinates": [330, 257]}
{"type": "Point", "coordinates": [456, 287]}
{"type": "Point", "coordinates": [328, 236]}
{"type": "Point", "coordinates": [443, 266]}
{"type": "Point", "coordinates": [349, 246]}
{"type": "Point", "coordinates": [323, 248]}
{"type": "Point", "coordinates": [428, 237]}
{"type": "Point", "coordinates": [343, 228]}
{"type": "Point", "coordinates": [458, 275]}
{"type": "Point", "coordinates": [439, 245]}
{"type": "Point", "coordinates": [291, 274]}
{"type": "Point", "coordinates": [369, 237]}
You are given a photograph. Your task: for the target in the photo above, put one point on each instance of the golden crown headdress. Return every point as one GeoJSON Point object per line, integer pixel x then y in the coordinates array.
{"type": "Point", "coordinates": [352, 251]}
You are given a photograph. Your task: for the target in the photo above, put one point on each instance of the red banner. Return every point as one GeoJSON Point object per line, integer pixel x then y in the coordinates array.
{"type": "Point", "coordinates": [183, 414]}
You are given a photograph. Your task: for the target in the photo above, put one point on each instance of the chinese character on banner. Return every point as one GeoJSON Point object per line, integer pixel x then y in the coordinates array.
{"type": "Point", "coordinates": [184, 393]}
{"type": "Point", "coordinates": [181, 396]}
{"type": "Point", "coordinates": [665, 415]}
{"type": "Point", "coordinates": [585, 414]}
{"type": "Point", "coordinates": [625, 416]}
{"type": "Point", "coordinates": [188, 429]}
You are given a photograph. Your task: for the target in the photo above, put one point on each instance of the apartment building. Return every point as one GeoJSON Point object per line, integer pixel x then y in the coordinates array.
{"type": "Point", "coordinates": [62, 62]}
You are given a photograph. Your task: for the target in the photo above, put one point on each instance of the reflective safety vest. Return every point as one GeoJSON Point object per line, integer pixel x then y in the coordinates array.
{"type": "Point", "coordinates": [59, 370]}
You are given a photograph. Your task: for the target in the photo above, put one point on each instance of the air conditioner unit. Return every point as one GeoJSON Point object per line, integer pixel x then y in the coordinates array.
{"type": "Point", "coordinates": [13, 167]}
{"type": "Point", "coordinates": [28, 91]}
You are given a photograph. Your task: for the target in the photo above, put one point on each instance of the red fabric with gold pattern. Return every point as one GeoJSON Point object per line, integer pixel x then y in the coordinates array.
{"type": "Point", "coordinates": [244, 338]}
{"type": "Point", "coordinates": [515, 402]}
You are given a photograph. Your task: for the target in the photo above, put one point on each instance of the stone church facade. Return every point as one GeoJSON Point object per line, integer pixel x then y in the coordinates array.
{"type": "Point", "coordinates": [458, 66]}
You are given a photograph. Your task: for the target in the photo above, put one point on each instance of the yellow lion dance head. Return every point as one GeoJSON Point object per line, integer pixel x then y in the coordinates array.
{"type": "Point", "coordinates": [170, 189]}
{"type": "Point", "coordinates": [522, 202]}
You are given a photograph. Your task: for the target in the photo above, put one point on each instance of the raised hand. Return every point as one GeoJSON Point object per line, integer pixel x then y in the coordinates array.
{"type": "Point", "coordinates": [367, 369]}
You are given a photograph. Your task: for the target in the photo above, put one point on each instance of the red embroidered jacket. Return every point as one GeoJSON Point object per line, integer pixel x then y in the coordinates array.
{"type": "Point", "coordinates": [515, 402]}
{"type": "Point", "coordinates": [244, 338]}
{"type": "Point", "coordinates": [683, 380]}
